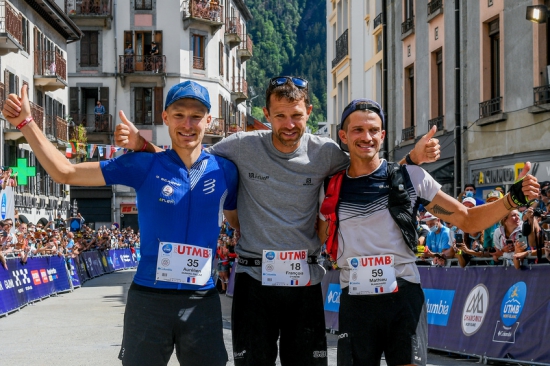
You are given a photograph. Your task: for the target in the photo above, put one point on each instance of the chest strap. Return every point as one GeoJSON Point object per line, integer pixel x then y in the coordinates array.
{"type": "Point", "coordinates": [257, 262]}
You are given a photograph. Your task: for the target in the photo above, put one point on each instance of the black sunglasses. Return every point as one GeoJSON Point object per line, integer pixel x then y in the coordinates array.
{"type": "Point", "coordinates": [282, 80]}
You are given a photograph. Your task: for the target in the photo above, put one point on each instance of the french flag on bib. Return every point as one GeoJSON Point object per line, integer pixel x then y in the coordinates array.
{"type": "Point", "coordinates": [191, 279]}
{"type": "Point", "coordinates": [294, 282]}
{"type": "Point", "coordinates": [379, 290]}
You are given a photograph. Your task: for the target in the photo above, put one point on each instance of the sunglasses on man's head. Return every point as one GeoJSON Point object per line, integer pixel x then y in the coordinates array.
{"type": "Point", "coordinates": [282, 80]}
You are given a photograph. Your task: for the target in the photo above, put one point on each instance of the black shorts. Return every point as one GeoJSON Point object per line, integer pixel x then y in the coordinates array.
{"type": "Point", "coordinates": [157, 320]}
{"type": "Point", "coordinates": [395, 324]}
{"type": "Point", "coordinates": [261, 314]}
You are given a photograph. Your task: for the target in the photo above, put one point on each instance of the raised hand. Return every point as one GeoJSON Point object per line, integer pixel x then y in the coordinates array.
{"type": "Point", "coordinates": [16, 108]}
{"type": "Point", "coordinates": [427, 149]}
{"type": "Point", "coordinates": [127, 135]}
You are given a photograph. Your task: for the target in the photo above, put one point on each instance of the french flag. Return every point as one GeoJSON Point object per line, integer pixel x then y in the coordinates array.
{"type": "Point", "coordinates": [190, 279]}
{"type": "Point", "coordinates": [294, 282]}
{"type": "Point", "coordinates": [379, 290]}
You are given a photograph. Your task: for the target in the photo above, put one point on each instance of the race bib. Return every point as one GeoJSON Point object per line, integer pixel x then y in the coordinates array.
{"type": "Point", "coordinates": [285, 268]}
{"type": "Point", "coordinates": [372, 275]}
{"type": "Point", "coordinates": [184, 263]}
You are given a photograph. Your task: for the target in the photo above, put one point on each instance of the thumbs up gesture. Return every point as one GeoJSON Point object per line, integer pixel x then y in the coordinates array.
{"type": "Point", "coordinates": [427, 149]}
{"type": "Point", "coordinates": [17, 109]}
{"type": "Point", "coordinates": [127, 135]}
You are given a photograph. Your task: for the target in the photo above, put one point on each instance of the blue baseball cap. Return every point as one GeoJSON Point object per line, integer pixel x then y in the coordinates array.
{"type": "Point", "coordinates": [188, 89]}
{"type": "Point", "coordinates": [362, 104]}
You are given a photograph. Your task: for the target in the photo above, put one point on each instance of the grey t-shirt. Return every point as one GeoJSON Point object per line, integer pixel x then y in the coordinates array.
{"type": "Point", "coordinates": [278, 193]}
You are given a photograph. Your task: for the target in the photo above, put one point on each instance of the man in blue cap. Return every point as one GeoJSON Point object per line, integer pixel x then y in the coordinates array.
{"type": "Point", "coordinates": [172, 300]}
{"type": "Point", "coordinates": [367, 219]}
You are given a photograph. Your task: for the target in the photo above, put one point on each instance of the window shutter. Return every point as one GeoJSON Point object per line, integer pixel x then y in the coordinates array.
{"type": "Point", "coordinates": [17, 89]}
{"type": "Point", "coordinates": [6, 82]}
{"type": "Point", "coordinates": [85, 50]}
{"type": "Point", "coordinates": [104, 98]}
{"type": "Point", "coordinates": [94, 47]}
{"type": "Point", "coordinates": [73, 102]}
{"type": "Point", "coordinates": [221, 58]}
{"type": "Point", "coordinates": [158, 106]}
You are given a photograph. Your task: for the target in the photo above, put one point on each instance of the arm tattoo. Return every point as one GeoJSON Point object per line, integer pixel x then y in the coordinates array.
{"type": "Point", "coordinates": [440, 210]}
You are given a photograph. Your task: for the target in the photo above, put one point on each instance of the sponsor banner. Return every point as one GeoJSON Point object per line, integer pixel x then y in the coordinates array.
{"type": "Point", "coordinates": [439, 304]}
{"type": "Point", "coordinates": [495, 311]}
{"type": "Point", "coordinates": [331, 281]}
{"type": "Point", "coordinates": [74, 272]}
{"type": "Point", "coordinates": [39, 278]}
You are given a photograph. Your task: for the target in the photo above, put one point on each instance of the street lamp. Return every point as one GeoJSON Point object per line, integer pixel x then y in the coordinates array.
{"type": "Point", "coordinates": [537, 14]}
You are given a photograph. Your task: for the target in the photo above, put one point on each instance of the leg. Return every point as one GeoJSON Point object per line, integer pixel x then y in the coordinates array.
{"type": "Point", "coordinates": [199, 330]}
{"type": "Point", "coordinates": [148, 329]}
{"type": "Point", "coordinates": [254, 328]}
{"type": "Point", "coordinates": [303, 335]}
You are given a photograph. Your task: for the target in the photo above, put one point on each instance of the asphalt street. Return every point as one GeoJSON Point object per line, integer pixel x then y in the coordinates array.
{"type": "Point", "coordinates": [84, 327]}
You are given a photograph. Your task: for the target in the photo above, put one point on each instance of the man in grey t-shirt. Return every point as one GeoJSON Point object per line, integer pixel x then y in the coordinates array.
{"type": "Point", "coordinates": [277, 289]}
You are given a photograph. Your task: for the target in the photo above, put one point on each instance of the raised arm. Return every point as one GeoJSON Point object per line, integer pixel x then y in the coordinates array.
{"type": "Point", "coordinates": [479, 218]}
{"type": "Point", "coordinates": [426, 150]}
{"type": "Point", "coordinates": [17, 111]}
{"type": "Point", "coordinates": [127, 136]}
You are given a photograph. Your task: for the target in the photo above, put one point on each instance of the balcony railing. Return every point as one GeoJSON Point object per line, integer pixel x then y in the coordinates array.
{"type": "Point", "coordinates": [49, 63]}
{"type": "Point", "coordinates": [207, 10]}
{"type": "Point", "coordinates": [341, 48]}
{"type": "Point", "coordinates": [407, 25]}
{"type": "Point", "coordinates": [217, 127]}
{"type": "Point", "coordinates": [142, 63]}
{"type": "Point", "coordinates": [93, 122]}
{"type": "Point", "coordinates": [37, 113]}
{"type": "Point", "coordinates": [198, 63]}
{"type": "Point", "coordinates": [490, 107]}
{"type": "Point", "coordinates": [56, 127]}
{"type": "Point", "coordinates": [240, 86]}
{"type": "Point", "coordinates": [233, 25]}
{"type": "Point", "coordinates": [2, 96]}
{"type": "Point", "coordinates": [437, 121]}
{"type": "Point", "coordinates": [246, 44]}
{"type": "Point", "coordinates": [88, 7]}
{"type": "Point", "coordinates": [407, 133]}
{"type": "Point", "coordinates": [541, 95]}
{"type": "Point", "coordinates": [10, 21]}
{"type": "Point", "coordinates": [434, 6]}
{"type": "Point", "coordinates": [377, 21]}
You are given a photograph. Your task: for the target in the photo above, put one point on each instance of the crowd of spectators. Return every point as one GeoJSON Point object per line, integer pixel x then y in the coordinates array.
{"type": "Point", "coordinates": [521, 237]}
{"type": "Point", "coordinates": [225, 254]}
{"type": "Point", "coordinates": [54, 238]}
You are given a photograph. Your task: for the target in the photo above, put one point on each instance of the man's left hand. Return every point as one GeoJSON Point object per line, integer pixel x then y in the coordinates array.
{"type": "Point", "coordinates": [427, 149]}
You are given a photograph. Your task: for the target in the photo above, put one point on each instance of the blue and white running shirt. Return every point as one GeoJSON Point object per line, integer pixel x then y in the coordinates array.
{"type": "Point", "coordinates": [175, 204]}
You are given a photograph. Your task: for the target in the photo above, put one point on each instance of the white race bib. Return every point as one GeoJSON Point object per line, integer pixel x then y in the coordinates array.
{"type": "Point", "coordinates": [372, 275]}
{"type": "Point", "coordinates": [285, 268]}
{"type": "Point", "coordinates": [184, 263]}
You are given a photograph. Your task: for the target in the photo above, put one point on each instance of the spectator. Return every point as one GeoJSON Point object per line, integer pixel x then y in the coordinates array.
{"type": "Point", "coordinates": [506, 235]}
{"type": "Point", "coordinates": [155, 58]}
{"type": "Point", "coordinates": [128, 58]}
{"type": "Point", "coordinates": [439, 238]}
{"type": "Point", "coordinates": [470, 191]}
{"type": "Point", "coordinates": [59, 221]}
{"type": "Point", "coordinates": [9, 179]}
{"type": "Point", "coordinates": [489, 232]}
{"type": "Point", "coordinates": [99, 112]}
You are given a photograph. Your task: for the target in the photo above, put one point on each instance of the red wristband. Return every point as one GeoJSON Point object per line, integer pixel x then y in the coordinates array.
{"type": "Point", "coordinates": [144, 146]}
{"type": "Point", "coordinates": [25, 122]}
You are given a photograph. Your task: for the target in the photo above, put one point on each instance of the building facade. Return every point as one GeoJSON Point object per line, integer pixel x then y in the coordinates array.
{"type": "Point", "coordinates": [33, 51]}
{"type": "Point", "coordinates": [487, 91]}
{"type": "Point", "coordinates": [132, 53]}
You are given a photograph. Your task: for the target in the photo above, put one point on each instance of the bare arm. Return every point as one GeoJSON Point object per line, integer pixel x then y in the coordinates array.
{"type": "Point", "coordinates": [322, 230]}
{"type": "Point", "coordinates": [232, 218]}
{"type": "Point", "coordinates": [472, 220]}
{"type": "Point", "coordinates": [58, 167]}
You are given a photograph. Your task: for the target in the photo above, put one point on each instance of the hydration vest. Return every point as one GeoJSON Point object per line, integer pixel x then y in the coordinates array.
{"type": "Point", "coordinates": [399, 205]}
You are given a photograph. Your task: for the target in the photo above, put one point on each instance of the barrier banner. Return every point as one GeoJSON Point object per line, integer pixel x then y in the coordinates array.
{"type": "Point", "coordinates": [497, 312]}
{"type": "Point", "coordinates": [81, 267]}
{"type": "Point", "coordinates": [92, 265]}
{"type": "Point", "coordinates": [126, 258]}
{"type": "Point", "coordinates": [39, 278]}
{"type": "Point", "coordinates": [104, 263]}
{"type": "Point", "coordinates": [114, 260]}
{"type": "Point", "coordinates": [331, 295]}
{"type": "Point", "coordinates": [74, 272]}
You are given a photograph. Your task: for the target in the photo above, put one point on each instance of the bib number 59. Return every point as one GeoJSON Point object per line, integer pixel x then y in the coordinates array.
{"type": "Point", "coordinates": [377, 273]}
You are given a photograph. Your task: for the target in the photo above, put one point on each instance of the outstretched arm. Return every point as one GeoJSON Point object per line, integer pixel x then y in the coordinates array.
{"type": "Point", "coordinates": [18, 109]}
{"type": "Point", "coordinates": [472, 220]}
{"type": "Point", "coordinates": [426, 150]}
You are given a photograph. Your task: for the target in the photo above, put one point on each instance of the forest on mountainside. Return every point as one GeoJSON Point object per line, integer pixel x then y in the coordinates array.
{"type": "Point", "coordinates": [289, 39]}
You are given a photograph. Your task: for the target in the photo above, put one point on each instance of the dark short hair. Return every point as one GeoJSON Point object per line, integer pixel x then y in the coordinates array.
{"type": "Point", "coordinates": [470, 185]}
{"type": "Point", "coordinates": [287, 91]}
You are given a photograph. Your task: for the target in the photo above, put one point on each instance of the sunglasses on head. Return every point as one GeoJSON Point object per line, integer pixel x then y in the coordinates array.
{"type": "Point", "coordinates": [282, 80]}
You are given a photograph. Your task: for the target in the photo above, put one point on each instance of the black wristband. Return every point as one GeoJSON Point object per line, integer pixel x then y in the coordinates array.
{"type": "Point", "coordinates": [516, 194]}
{"type": "Point", "coordinates": [408, 160]}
